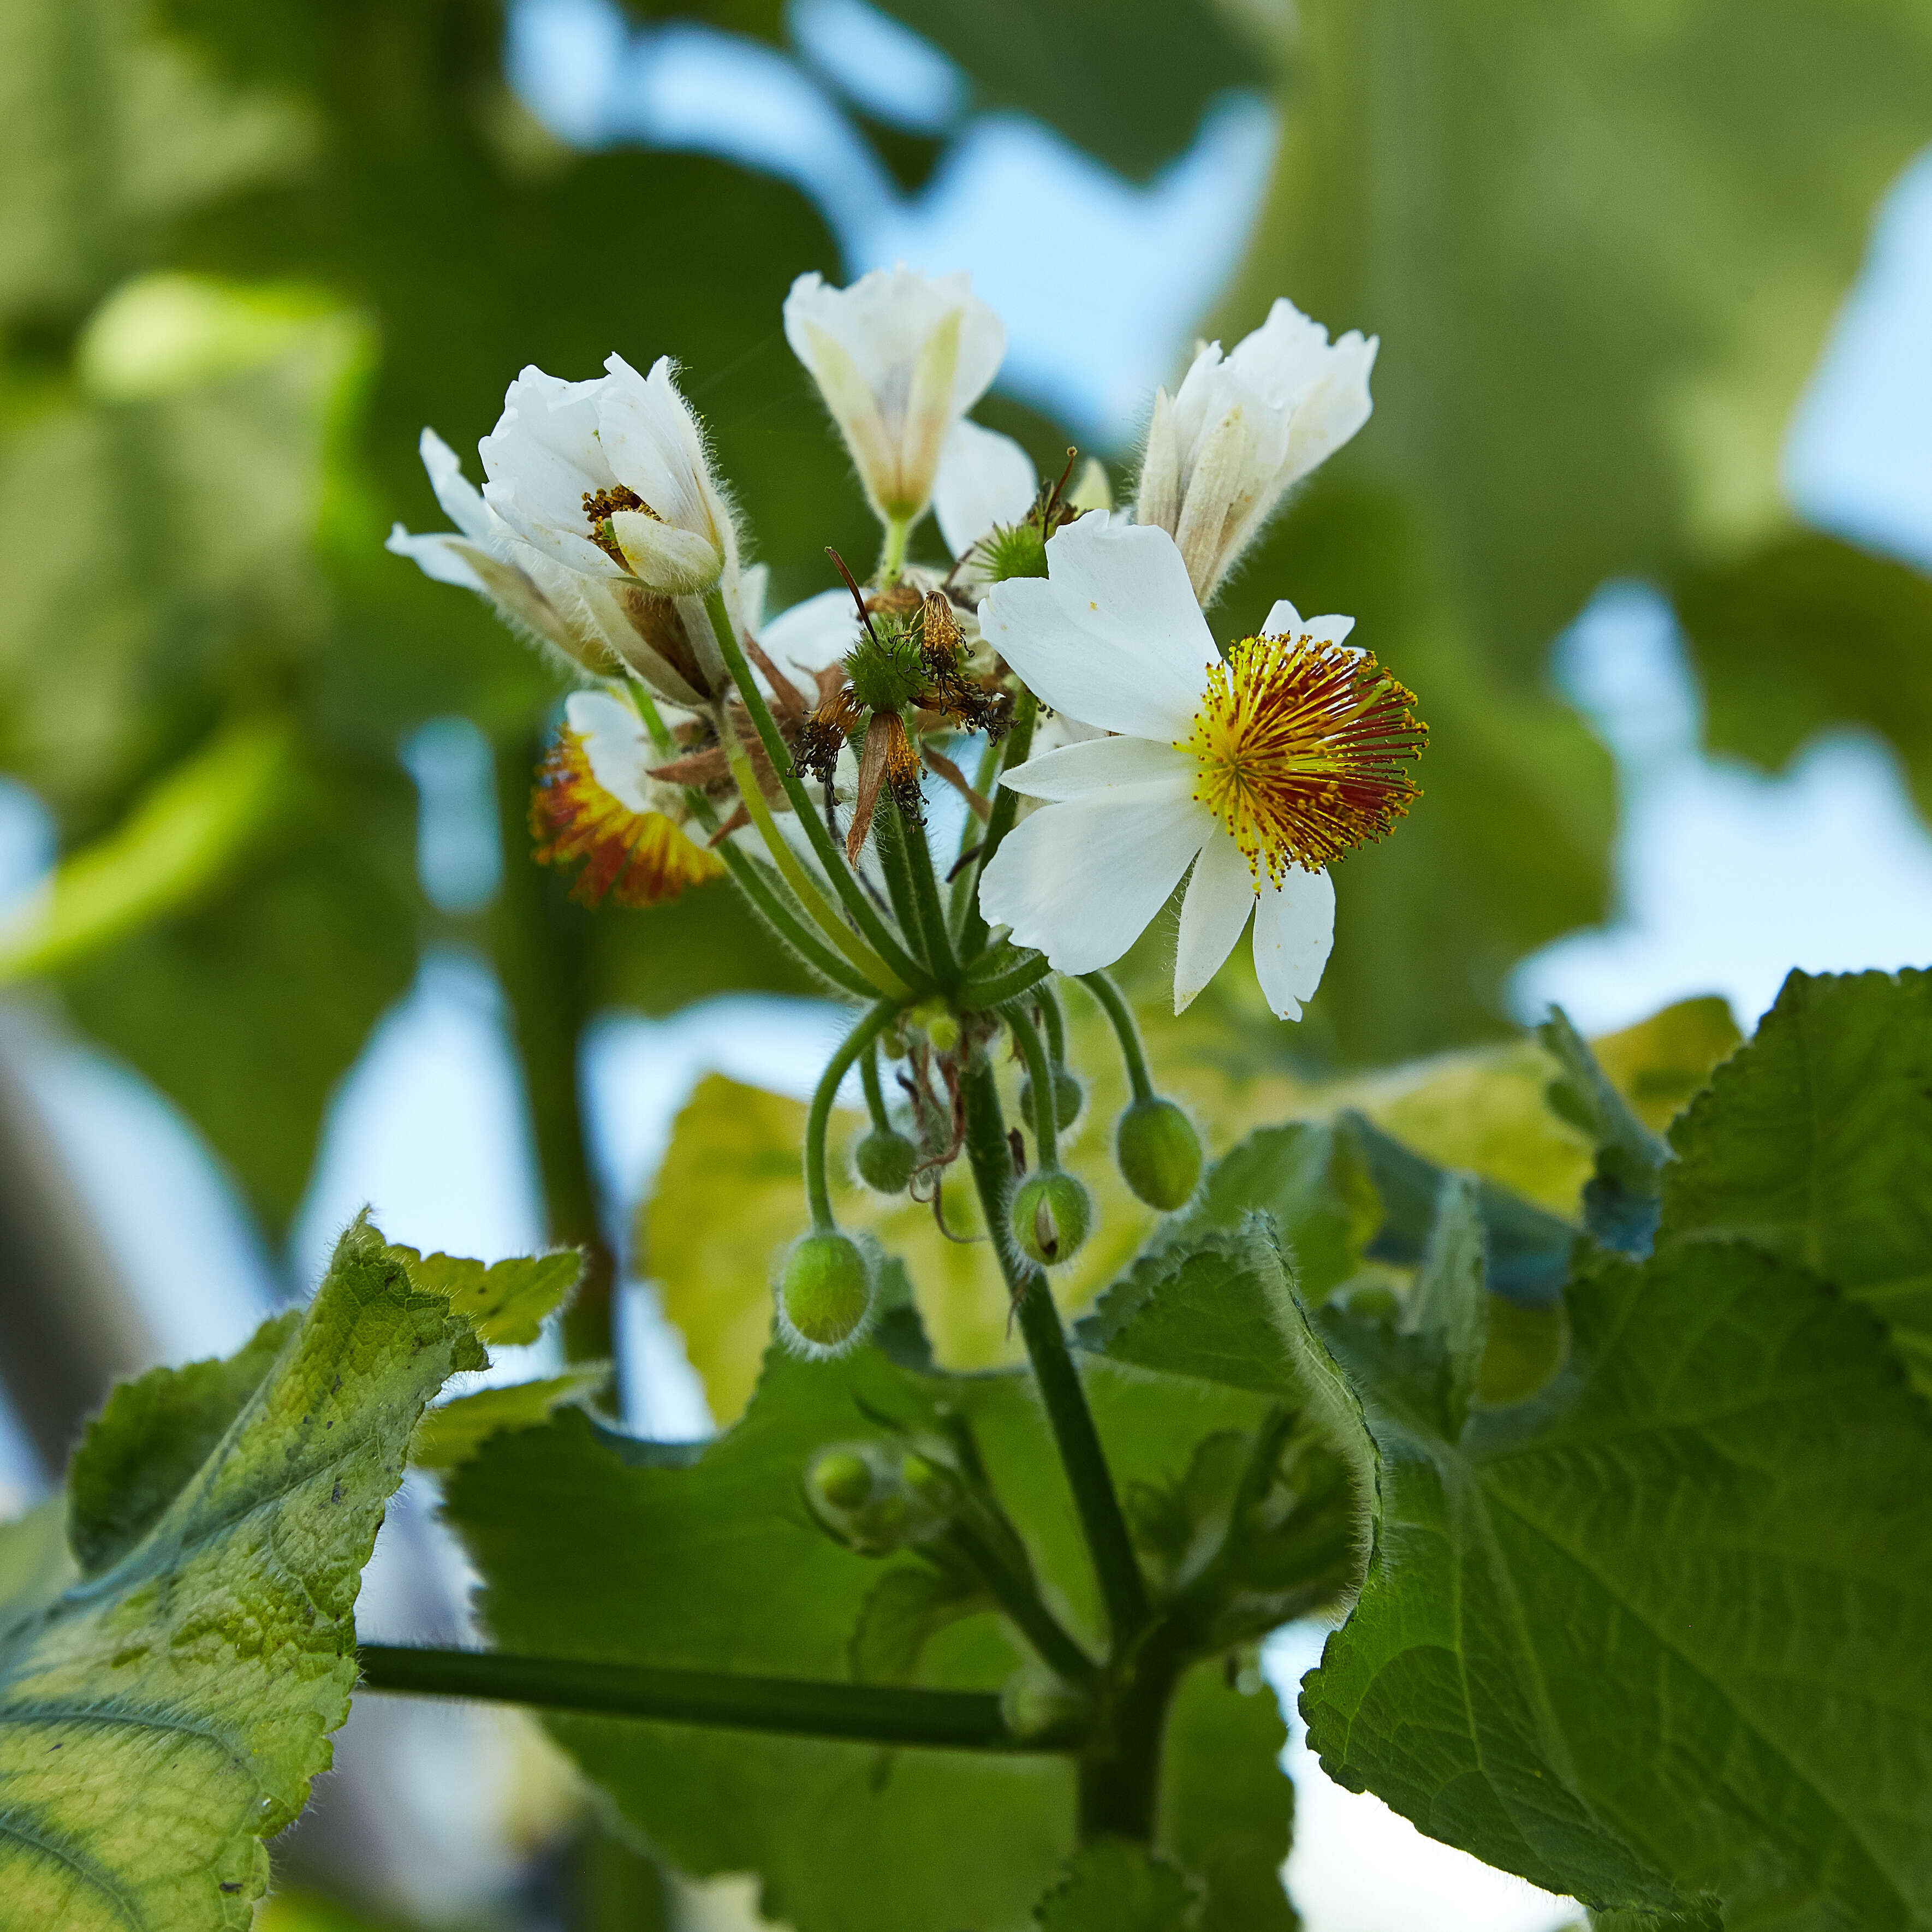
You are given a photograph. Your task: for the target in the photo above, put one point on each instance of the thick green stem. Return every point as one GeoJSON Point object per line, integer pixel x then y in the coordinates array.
{"type": "Point", "coordinates": [851, 893]}
{"type": "Point", "coordinates": [892, 555]}
{"type": "Point", "coordinates": [1006, 804]}
{"type": "Point", "coordinates": [1047, 1000]}
{"type": "Point", "coordinates": [1039, 1073]}
{"type": "Point", "coordinates": [790, 1706]}
{"type": "Point", "coordinates": [1125, 1030]}
{"type": "Point", "coordinates": [888, 843]}
{"type": "Point", "coordinates": [1074, 1435]}
{"type": "Point", "coordinates": [859, 1040]}
{"type": "Point", "coordinates": [775, 914]}
{"type": "Point", "coordinates": [1120, 1769]}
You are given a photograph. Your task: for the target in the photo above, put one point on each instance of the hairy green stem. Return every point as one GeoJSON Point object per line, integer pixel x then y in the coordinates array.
{"type": "Point", "coordinates": [1074, 1435]}
{"type": "Point", "coordinates": [870, 1026]}
{"type": "Point", "coordinates": [875, 1099]}
{"type": "Point", "coordinates": [790, 1706]}
{"type": "Point", "coordinates": [851, 893]}
{"type": "Point", "coordinates": [773, 910]}
{"type": "Point", "coordinates": [972, 834]}
{"type": "Point", "coordinates": [1055, 1021]}
{"type": "Point", "coordinates": [1125, 1030]}
{"type": "Point", "coordinates": [1015, 1595]}
{"type": "Point", "coordinates": [1005, 804]}
{"type": "Point", "coordinates": [888, 843]}
{"type": "Point", "coordinates": [1039, 1072]}
{"type": "Point", "coordinates": [934, 935]}
{"type": "Point", "coordinates": [892, 554]}
{"type": "Point", "coordinates": [977, 993]}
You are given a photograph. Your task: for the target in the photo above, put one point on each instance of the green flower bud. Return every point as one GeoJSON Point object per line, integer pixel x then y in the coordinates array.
{"type": "Point", "coordinates": [1051, 1214]}
{"type": "Point", "coordinates": [825, 1293]}
{"type": "Point", "coordinates": [934, 1485]}
{"type": "Point", "coordinates": [1013, 550]}
{"type": "Point", "coordinates": [885, 667]}
{"type": "Point", "coordinates": [938, 1022]}
{"type": "Point", "coordinates": [1068, 1094]}
{"type": "Point", "coordinates": [1159, 1153]}
{"type": "Point", "coordinates": [883, 1160]}
{"type": "Point", "coordinates": [841, 1479]}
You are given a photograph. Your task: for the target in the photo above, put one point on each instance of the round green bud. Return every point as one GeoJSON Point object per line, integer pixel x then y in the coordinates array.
{"type": "Point", "coordinates": [841, 1479]}
{"type": "Point", "coordinates": [1160, 1154]}
{"type": "Point", "coordinates": [1051, 1214]}
{"type": "Point", "coordinates": [825, 1293]}
{"type": "Point", "coordinates": [1068, 1094]}
{"type": "Point", "coordinates": [933, 1484]}
{"type": "Point", "coordinates": [885, 667]}
{"type": "Point", "coordinates": [884, 1159]}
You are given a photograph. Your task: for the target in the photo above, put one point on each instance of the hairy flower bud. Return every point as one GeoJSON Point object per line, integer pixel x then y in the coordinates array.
{"type": "Point", "coordinates": [883, 1160]}
{"type": "Point", "coordinates": [1068, 1096]}
{"type": "Point", "coordinates": [875, 1499]}
{"type": "Point", "coordinates": [825, 1293]}
{"type": "Point", "coordinates": [1159, 1153]}
{"type": "Point", "coordinates": [1051, 1214]}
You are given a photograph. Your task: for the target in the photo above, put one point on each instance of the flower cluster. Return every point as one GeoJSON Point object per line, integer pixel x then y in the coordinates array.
{"type": "Point", "coordinates": [1123, 751]}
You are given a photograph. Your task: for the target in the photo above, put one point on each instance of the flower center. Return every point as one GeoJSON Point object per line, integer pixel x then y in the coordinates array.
{"type": "Point", "coordinates": [601, 506]}
{"type": "Point", "coordinates": [1303, 749]}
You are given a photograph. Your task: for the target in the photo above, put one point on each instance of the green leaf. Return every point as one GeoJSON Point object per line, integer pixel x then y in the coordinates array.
{"type": "Point", "coordinates": [904, 1610]}
{"type": "Point", "coordinates": [1528, 1249]}
{"type": "Point", "coordinates": [160, 1718]}
{"type": "Point", "coordinates": [1620, 1202]}
{"type": "Point", "coordinates": [507, 1301]}
{"type": "Point", "coordinates": [454, 1431]}
{"type": "Point", "coordinates": [1651, 1638]}
{"type": "Point", "coordinates": [1815, 1142]}
{"type": "Point", "coordinates": [1127, 83]}
{"type": "Point", "coordinates": [1113, 1886]}
{"type": "Point", "coordinates": [1312, 1182]}
{"type": "Point", "coordinates": [1803, 630]}
{"type": "Point", "coordinates": [591, 1545]}
{"type": "Point", "coordinates": [1449, 1303]}
{"type": "Point", "coordinates": [154, 1433]}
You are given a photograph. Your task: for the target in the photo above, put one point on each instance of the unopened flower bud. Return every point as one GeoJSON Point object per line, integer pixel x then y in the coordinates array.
{"type": "Point", "coordinates": [932, 1484]}
{"type": "Point", "coordinates": [1159, 1153]}
{"type": "Point", "coordinates": [1068, 1094]}
{"type": "Point", "coordinates": [1052, 1212]}
{"type": "Point", "coordinates": [883, 1160]}
{"type": "Point", "coordinates": [840, 1479]}
{"type": "Point", "coordinates": [825, 1293]}
{"type": "Point", "coordinates": [876, 1499]}
{"type": "Point", "coordinates": [938, 1022]}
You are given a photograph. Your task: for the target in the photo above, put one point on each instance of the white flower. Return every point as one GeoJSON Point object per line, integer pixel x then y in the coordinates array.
{"type": "Point", "coordinates": [899, 357]}
{"type": "Point", "coordinates": [1256, 770]}
{"type": "Point", "coordinates": [984, 478]}
{"type": "Point", "coordinates": [1239, 432]}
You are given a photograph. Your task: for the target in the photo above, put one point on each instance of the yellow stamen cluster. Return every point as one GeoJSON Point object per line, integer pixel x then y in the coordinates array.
{"type": "Point", "coordinates": [601, 506]}
{"type": "Point", "coordinates": [1303, 748]}
{"type": "Point", "coordinates": [639, 859]}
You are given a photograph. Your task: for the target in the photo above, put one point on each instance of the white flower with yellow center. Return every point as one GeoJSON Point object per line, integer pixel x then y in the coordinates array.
{"type": "Point", "coordinates": [1257, 770]}
{"type": "Point", "coordinates": [1242, 430]}
{"type": "Point", "coordinates": [899, 357]}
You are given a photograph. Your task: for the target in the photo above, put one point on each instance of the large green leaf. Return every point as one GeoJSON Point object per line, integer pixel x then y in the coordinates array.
{"type": "Point", "coordinates": [591, 1545]}
{"type": "Point", "coordinates": [164, 1713]}
{"type": "Point", "coordinates": [1803, 631]}
{"type": "Point", "coordinates": [1815, 1142]}
{"type": "Point", "coordinates": [1653, 1638]}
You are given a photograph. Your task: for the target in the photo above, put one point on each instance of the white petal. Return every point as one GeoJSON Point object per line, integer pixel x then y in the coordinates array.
{"type": "Point", "coordinates": [1081, 881]}
{"type": "Point", "coordinates": [1333, 408]}
{"type": "Point", "coordinates": [813, 634]}
{"type": "Point", "coordinates": [1284, 620]}
{"type": "Point", "coordinates": [617, 744]}
{"type": "Point", "coordinates": [1102, 764]}
{"type": "Point", "coordinates": [441, 557]}
{"type": "Point", "coordinates": [462, 502]}
{"type": "Point", "coordinates": [544, 454]}
{"type": "Point", "coordinates": [676, 562]}
{"type": "Point", "coordinates": [1295, 932]}
{"type": "Point", "coordinates": [1220, 897]}
{"type": "Point", "coordinates": [984, 478]}
{"type": "Point", "coordinates": [1112, 635]}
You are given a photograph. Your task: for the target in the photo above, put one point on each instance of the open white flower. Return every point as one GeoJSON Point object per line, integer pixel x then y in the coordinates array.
{"type": "Point", "coordinates": [1257, 770]}
{"type": "Point", "coordinates": [1242, 430]}
{"type": "Point", "coordinates": [899, 357]}
{"type": "Point", "coordinates": [532, 593]}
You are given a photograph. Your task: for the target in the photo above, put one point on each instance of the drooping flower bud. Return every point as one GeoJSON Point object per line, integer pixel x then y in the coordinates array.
{"type": "Point", "coordinates": [883, 1160]}
{"type": "Point", "coordinates": [1159, 1153]}
{"type": "Point", "coordinates": [1068, 1097]}
{"type": "Point", "coordinates": [825, 1294]}
{"type": "Point", "coordinates": [1051, 1214]}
